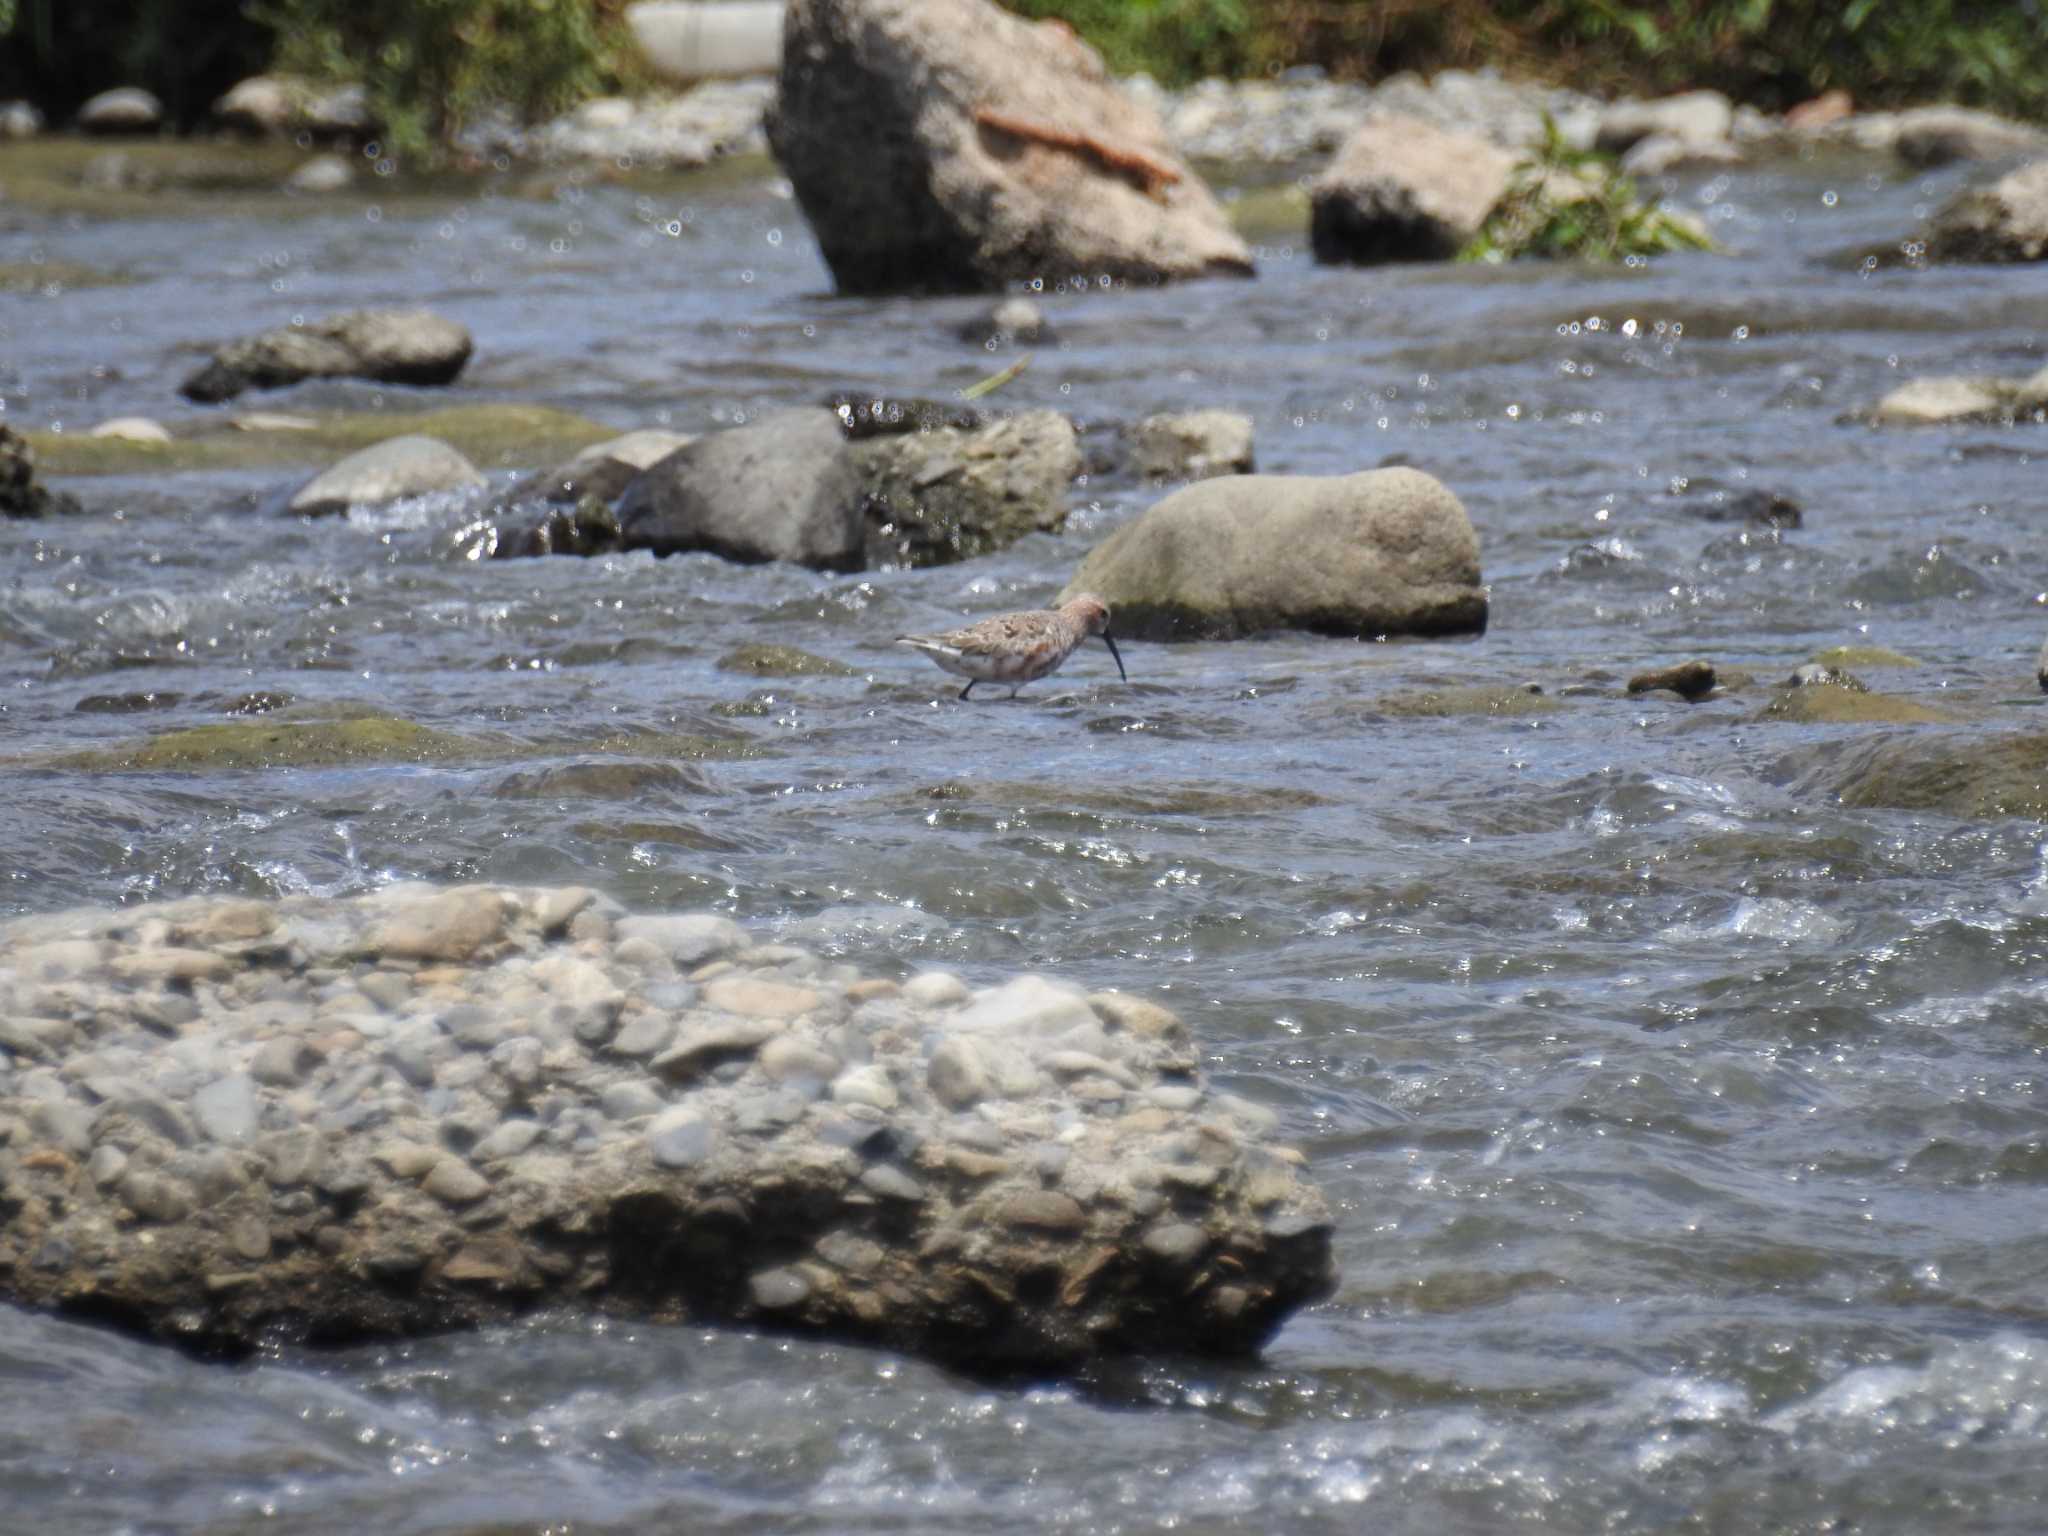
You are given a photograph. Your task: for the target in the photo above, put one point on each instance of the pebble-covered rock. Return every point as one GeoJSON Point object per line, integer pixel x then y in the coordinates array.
{"type": "Point", "coordinates": [1383, 552]}
{"type": "Point", "coordinates": [435, 1107]}
{"type": "Point", "coordinates": [392, 346]}
{"type": "Point", "coordinates": [397, 467]}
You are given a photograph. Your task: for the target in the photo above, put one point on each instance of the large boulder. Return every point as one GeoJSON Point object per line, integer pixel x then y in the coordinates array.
{"type": "Point", "coordinates": [1404, 190]}
{"type": "Point", "coordinates": [388, 471]}
{"type": "Point", "coordinates": [343, 1119]}
{"type": "Point", "coordinates": [2005, 221]}
{"type": "Point", "coordinates": [782, 488]}
{"type": "Point", "coordinates": [1382, 552]}
{"type": "Point", "coordinates": [949, 494]}
{"type": "Point", "coordinates": [22, 494]}
{"type": "Point", "coordinates": [947, 145]}
{"type": "Point", "coordinates": [391, 346]}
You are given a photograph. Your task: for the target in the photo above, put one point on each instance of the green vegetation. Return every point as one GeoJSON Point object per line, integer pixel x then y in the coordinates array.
{"type": "Point", "coordinates": [431, 67]}
{"type": "Point", "coordinates": [1565, 202]}
{"type": "Point", "coordinates": [1772, 53]}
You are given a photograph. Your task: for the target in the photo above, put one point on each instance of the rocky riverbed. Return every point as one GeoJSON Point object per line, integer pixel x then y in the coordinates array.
{"type": "Point", "coordinates": [1659, 1034]}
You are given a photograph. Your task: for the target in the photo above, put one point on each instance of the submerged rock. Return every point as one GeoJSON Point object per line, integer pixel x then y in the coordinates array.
{"type": "Point", "coordinates": [943, 495]}
{"type": "Point", "coordinates": [1402, 190]}
{"type": "Point", "coordinates": [2005, 221]}
{"type": "Point", "coordinates": [1690, 680]}
{"type": "Point", "coordinates": [22, 494]}
{"type": "Point", "coordinates": [781, 488]}
{"type": "Point", "coordinates": [386, 471]}
{"type": "Point", "coordinates": [590, 527]}
{"type": "Point", "coordinates": [431, 1108]}
{"type": "Point", "coordinates": [392, 346]}
{"type": "Point", "coordinates": [1973, 774]}
{"type": "Point", "coordinates": [947, 145]}
{"type": "Point", "coordinates": [1383, 552]}
{"type": "Point", "coordinates": [1192, 445]}
{"type": "Point", "coordinates": [763, 660]}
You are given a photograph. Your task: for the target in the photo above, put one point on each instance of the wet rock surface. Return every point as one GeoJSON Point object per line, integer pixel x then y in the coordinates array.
{"type": "Point", "coordinates": [781, 488]}
{"type": "Point", "coordinates": [1690, 680]}
{"type": "Point", "coordinates": [392, 346]}
{"type": "Point", "coordinates": [1403, 190]}
{"type": "Point", "coordinates": [948, 145]}
{"type": "Point", "coordinates": [398, 467]}
{"type": "Point", "coordinates": [1386, 551]}
{"type": "Point", "coordinates": [225, 1121]}
{"type": "Point", "coordinates": [2004, 221]}
{"type": "Point", "coordinates": [22, 493]}
{"type": "Point", "coordinates": [946, 494]}
{"type": "Point", "coordinates": [1191, 445]}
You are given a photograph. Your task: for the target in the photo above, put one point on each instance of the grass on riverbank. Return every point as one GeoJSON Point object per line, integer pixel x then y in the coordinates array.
{"type": "Point", "coordinates": [1771, 53]}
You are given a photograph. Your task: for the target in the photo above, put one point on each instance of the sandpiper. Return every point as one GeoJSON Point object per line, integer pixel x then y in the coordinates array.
{"type": "Point", "coordinates": [1016, 648]}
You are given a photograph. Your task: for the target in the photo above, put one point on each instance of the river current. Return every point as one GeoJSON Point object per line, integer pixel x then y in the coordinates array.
{"type": "Point", "coordinates": [1684, 1129]}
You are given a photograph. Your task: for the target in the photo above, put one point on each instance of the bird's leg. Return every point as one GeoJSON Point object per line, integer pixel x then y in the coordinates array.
{"type": "Point", "coordinates": [1013, 689]}
{"type": "Point", "coordinates": [969, 688]}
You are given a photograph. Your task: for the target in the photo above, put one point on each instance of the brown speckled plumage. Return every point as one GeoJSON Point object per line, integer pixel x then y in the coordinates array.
{"type": "Point", "coordinates": [1017, 648]}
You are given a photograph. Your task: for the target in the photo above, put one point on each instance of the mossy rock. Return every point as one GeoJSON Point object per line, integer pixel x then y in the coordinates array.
{"type": "Point", "coordinates": [761, 660]}
{"type": "Point", "coordinates": [1832, 704]}
{"type": "Point", "coordinates": [618, 779]}
{"type": "Point", "coordinates": [1144, 800]}
{"type": "Point", "coordinates": [1868, 658]}
{"type": "Point", "coordinates": [491, 436]}
{"type": "Point", "coordinates": [344, 734]}
{"type": "Point", "coordinates": [1975, 775]}
{"type": "Point", "coordinates": [659, 834]}
{"type": "Point", "coordinates": [677, 745]}
{"type": "Point", "coordinates": [35, 276]}
{"type": "Point", "coordinates": [1513, 703]}
{"type": "Point", "coordinates": [273, 743]}
{"type": "Point", "coordinates": [1270, 213]}
{"type": "Point", "coordinates": [54, 174]}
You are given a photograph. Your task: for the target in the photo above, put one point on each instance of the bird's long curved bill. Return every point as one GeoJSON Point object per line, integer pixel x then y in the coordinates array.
{"type": "Point", "coordinates": [1120, 672]}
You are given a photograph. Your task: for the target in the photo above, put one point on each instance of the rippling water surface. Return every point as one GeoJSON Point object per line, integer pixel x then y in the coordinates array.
{"type": "Point", "coordinates": [1684, 1128]}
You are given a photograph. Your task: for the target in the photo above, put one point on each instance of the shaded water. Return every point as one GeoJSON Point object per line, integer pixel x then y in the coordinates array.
{"type": "Point", "coordinates": [1684, 1129]}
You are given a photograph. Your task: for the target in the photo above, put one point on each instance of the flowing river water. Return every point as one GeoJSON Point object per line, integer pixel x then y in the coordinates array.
{"type": "Point", "coordinates": [1684, 1128]}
